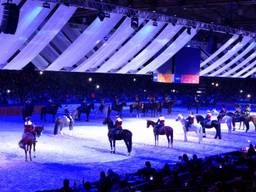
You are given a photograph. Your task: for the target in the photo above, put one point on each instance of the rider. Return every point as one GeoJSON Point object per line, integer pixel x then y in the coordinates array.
{"type": "Point", "coordinates": [160, 123]}
{"type": "Point", "coordinates": [118, 125]}
{"type": "Point", "coordinates": [237, 109]}
{"type": "Point", "coordinates": [208, 117]}
{"type": "Point", "coordinates": [247, 109]}
{"type": "Point", "coordinates": [69, 116]}
{"type": "Point", "coordinates": [29, 130]}
{"type": "Point", "coordinates": [190, 120]}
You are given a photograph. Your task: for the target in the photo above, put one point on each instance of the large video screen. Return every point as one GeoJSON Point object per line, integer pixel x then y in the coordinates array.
{"type": "Point", "coordinates": [184, 67]}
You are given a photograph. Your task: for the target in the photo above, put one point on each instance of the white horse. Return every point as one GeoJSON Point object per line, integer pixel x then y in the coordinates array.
{"type": "Point", "coordinates": [196, 127]}
{"type": "Point", "coordinates": [225, 119]}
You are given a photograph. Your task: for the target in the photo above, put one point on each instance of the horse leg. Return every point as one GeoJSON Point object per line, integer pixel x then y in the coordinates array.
{"type": "Point", "coordinates": [26, 152]}
{"type": "Point", "coordinates": [56, 127]}
{"type": "Point", "coordinates": [34, 149]}
{"type": "Point", "coordinates": [127, 145]}
{"type": "Point", "coordinates": [114, 146]}
{"type": "Point", "coordinates": [185, 134]}
{"type": "Point", "coordinates": [110, 142]}
{"type": "Point", "coordinates": [29, 149]}
{"type": "Point", "coordinates": [168, 139]}
{"type": "Point", "coordinates": [204, 132]}
{"type": "Point", "coordinates": [199, 134]}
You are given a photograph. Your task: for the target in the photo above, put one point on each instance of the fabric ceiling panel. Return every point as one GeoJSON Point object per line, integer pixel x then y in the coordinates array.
{"type": "Point", "coordinates": [72, 33]}
{"type": "Point", "coordinates": [32, 14]}
{"type": "Point", "coordinates": [169, 52]}
{"type": "Point", "coordinates": [225, 57]}
{"type": "Point", "coordinates": [250, 71]}
{"type": "Point", "coordinates": [158, 43]}
{"type": "Point", "coordinates": [40, 62]}
{"type": "Point", "coordinates": [246, 67]}
{"type": "Point", "coordinates": [221, 49]}
{"type": "Point", "coordinates": [61, 41]}
{"type": "Point", "coordinates": [133, 46]}
{"type": "Point", "coordinates": [42, 38]}
{"type": "Point", "coordinates": [233, 61]}
{"type": "Point", "coordinates": [114, 42]}
{"type": "Point", "coordinates": [85, 42]}
{"type": "Point", "coordinates": [49, 53]}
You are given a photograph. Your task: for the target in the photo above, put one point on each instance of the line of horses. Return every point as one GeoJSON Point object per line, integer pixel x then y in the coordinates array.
{"type": "Point", "coordinates": [199, 128]}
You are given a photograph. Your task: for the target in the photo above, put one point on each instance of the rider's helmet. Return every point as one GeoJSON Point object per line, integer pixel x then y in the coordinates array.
{"type": "Point", "coordinates": [28, 121]}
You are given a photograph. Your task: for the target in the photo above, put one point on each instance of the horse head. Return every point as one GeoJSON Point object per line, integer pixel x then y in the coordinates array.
{"type": "Point", "coordinates": [150, 123]}
{"type": "Point", "coordinates": [38, 130]}
{"type": "Point", "coordinates": [108, 121]}
{"type": "Point", "coordinates": [179, 117]}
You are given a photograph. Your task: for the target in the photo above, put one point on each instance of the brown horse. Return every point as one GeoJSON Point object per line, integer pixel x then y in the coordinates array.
{"type": "Point", "coordinates": [28, 140]}
{"type": "Point", "coordinates": [165, 130]}
{"type": "Point", "coordinates": [250, 118]}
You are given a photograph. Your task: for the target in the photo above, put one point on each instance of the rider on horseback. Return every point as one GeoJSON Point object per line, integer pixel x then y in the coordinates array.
{"type": "Point", "coordinates": [160, 123]}
{"type": "Point", "coordinates": [208, 118]}
{"type": "Point", "coordinates": [247, 109]}
{"type": "Point", "coordinates": [29, 131]}
{"type": "Point", "coordinates": [118, 125]}
{"type": "Point", "coordinates": [237, 109]}
{"type": "Point", "coordinates": [69, 116]}
{"type": "Point", "coordinates": [190, 121]}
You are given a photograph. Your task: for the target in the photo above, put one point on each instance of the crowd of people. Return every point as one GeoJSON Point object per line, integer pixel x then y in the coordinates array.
{"type": "Point", "coordinates": [230, 172]}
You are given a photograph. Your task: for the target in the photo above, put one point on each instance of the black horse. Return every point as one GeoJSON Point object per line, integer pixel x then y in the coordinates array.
{"type": "Point", "coordinates": [165, 130]}
{"type": "Point", "coordinates": [85, 108]}
{"type": "Point", "coordinates": [209, 124]}
{"type": "Point", "coordinates": [49, 109]}
{"type": "Point", "coordinates": [114, 135]}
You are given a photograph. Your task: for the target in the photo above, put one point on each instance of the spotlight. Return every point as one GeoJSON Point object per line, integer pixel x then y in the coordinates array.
{"type": "Point", "coordinates": [97, 86]}
{"type": "Point", "coordinates": [90, 79]}
{"type": "Point", "coordinates": [101, 15]}
{"type": "Point", "coordinates": [135, 22]}
{"type": "Point", "coordinates": [46, 5]}
{"type": "Point", "coordinates": [41, 72]}
{"type": "Point", "coordinates": [134, 79]}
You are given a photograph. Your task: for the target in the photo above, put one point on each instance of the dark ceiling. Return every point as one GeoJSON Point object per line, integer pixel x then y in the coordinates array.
{"type": "Point", "coordinates": [237, 14]}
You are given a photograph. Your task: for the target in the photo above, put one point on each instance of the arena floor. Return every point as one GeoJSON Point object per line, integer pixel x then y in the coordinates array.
{"type": "Point", "coordinates": [84, 152]}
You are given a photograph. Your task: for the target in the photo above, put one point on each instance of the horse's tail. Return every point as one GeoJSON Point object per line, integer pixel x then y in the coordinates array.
{"type": "Point", "coordinates": [128, 139]}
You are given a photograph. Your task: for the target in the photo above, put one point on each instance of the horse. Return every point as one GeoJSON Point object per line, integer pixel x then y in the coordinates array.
{"type": "Point", "coordinates": [240, 118]}
{"type": "Point", "coordinates": [51, 109]}
{"type": "Point", "coordinates": [63, 121]}
{"type": "Point", "coordinates": [168, 105]}
{"type": "Point", "coordinates": [29, 140]}
{"type": "Point", "coordinates": [196, 127]}
{"type": "Point", "coordinates": [250, 118]}
{"type": "Point", "coordinates": [113, 135]}
{"type": "Point", "coordinates": [85, 109]}
{"type": "Point", "coordinates": [208, 125]}
{"type": "Point", "coordinates": [137, 107]}
{"type": "Point", "coordinates": [164, 130]}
